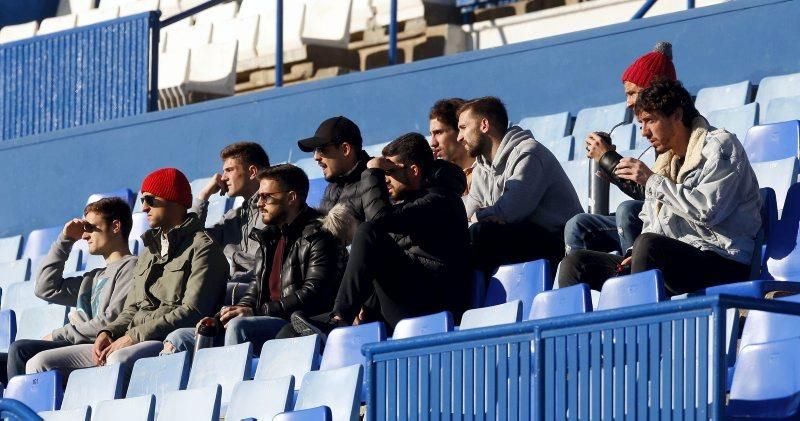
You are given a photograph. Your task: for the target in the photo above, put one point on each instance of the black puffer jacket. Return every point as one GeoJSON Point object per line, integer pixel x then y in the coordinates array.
{"type": "Point", "coordinates": [313, 265]}
{"type": "Point", "coordinates": [345, 189]}
{"type": "Point", "coordinates": [608, 163]}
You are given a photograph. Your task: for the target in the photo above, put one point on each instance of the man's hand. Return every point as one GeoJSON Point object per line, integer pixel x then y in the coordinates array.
{"type": "Point", "coordinates": [73, 229]}
{"type": "Point", "coordinates": [626, 261]}
{"type": "Point", "coordinates": [634, 170]}
{"type": "Point", "coordinates": [214, 186]}
{"type": "Point", "coordinates": [232, 312]}
{"type": "Point", "coordinates": [48, 337]}
{"type": "Point", "coordinates": [115, 346]}
{"type": "Point", "coordinates": [596, 147]}
{"type": "Point", "coordinates": [382, 163]}
{"type": "Point", "coordinates": [102, 342]}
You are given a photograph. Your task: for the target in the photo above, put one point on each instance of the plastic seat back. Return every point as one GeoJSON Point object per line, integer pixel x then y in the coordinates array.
{"type": "Point", "coordinates": [601, 118]}
{"type": "Point", "coordinates": [320, 413]}
{"type": "Point", "coordinates": [547, 128]}
{"type": "Point", "coordinates": [10, 248]}
{"type": "Point", "coordinates": [783, 259]}
{"type": "Point", "coordinates": [510, 312]}
{"type": "Point", "coordinates": [124, 194]}
{"type": "Point", "coordinates": [40, 391]}
{"type": "Point", "coordinates": [14, 271]}
{"type": "Point", "coordinates": [375, 149]}
{"type": "Point", "coordinates": [36, 322]}
{"type": "Point", "coordinates": [83, 413]}
{"type": "Point", "coordinates": [8, 329]}
{"type": "Point", "coordinates": [577, 171]}
{"type": "Point", "coordinates": [778, 175]}
{"type": "Point", "coordinates": [343, 346]}
{"type": "Point", "coordinates": [782, 109]}
{"type": "Point", "coordinates": [261, 399]}
{"type": "Point", "coordinates": [316, 191]}
{"type": "Point", "coordinates": [561, 302]}
{"type": "Point", "coordinates": [722, 97]}
{"type": "Point", "coordinates": [20, 296]}
{"type": "Point", "coordinates": [224, 366]}
{"type": "Point", "coordinates": [88, 386]}
{"type": "Point", "coordinates": [423, 325]}
{"type": "Point", "coordinates": [521, 281]}
{"type": "Point", "coordinates": [202, 404]}
{"type": "Point", "coordinates": [140, 408]}
{"type": "Point", "coordinates": [736, 120]}
{"type": "Point", "coordinates": [311, 168]}
{"type": "Point", "coordinates": [159, 375]}
{"type": "Point", "coordinates": [631, 290]}
{"type": "Point", "coordinates": [771, 142]}
{"type": "Point", "coordinates": [761, 326]}
{"type": "Point", "coordinates": [216, 211]}
{"type": "Point", "coordinates": [39, 241]}
{"type": "Point", "coordinates": [563, 148]}
{"type": "Point", "coordinates": [776, 87]}
{"type": "Point", "coordinates": [289, 357]}
{"type": "Point", "coordinates": [10, 33]}
{"type": "Point", "coordinates": [339, 389]}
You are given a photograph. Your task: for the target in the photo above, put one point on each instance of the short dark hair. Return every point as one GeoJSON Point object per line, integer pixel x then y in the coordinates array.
{"type": "Point", "coordinates": [665, 97]}
{"type": "Point", "coordinates": [445, 110]}
{"type": "Point", "coordinates": [289, 177]}
{"type": "Point", "coordinates": [411, 148]}
{"type": "Point", "coordinates": [113, 209]}
{"type": "Point", "coordinates": [248, 153]}
{"type": "Point", "coordinates": [490, 108]}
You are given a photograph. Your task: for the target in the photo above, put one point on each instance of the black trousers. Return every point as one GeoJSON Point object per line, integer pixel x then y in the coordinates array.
{"type": "Point", "coordinates": [496, 244]}
{"type": "Point", "coordinates": [685, 268]}
{"type": "Point", "coordinates": [23, 350]}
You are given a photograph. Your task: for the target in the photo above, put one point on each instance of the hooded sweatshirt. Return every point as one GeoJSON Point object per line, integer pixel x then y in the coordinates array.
{"type": "Point", "coordinates": [524, 183]}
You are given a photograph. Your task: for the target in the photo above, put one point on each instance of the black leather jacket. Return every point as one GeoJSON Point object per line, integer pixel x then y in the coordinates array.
{"type": "Point", "coordinates": [313, 265]}
{"type": "Point", "coordinates": [608, 163]}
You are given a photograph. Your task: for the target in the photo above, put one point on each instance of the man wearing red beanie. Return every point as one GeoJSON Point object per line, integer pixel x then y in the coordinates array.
{"type": "Point", "coordinates": [617, 232]}
{"type": "Point", "coordinates": [180, 278]}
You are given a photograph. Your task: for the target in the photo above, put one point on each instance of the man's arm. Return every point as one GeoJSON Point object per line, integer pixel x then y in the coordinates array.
{"type": "Point", "coordinates": [50, 285]}
{"type": "Point", "coordinates": [522, 192]}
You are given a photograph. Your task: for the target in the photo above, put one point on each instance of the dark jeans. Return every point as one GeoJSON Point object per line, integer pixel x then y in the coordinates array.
{"type": "Point", "coordinates": [606, 233]}
{"type": "Point", "coordinates": [495, 244]}
{"type": "Point", "coordinates": [23, 350]}
{"type": "Point", "coordinates": [685, 268]}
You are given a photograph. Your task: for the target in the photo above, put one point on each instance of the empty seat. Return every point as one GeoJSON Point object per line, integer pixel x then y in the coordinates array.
{"type": "Point", "coordinates": [92, 16]}
{"type": "Point", "coordinates": [320, 413]}
{"type": "Point", "coordinates": [311, 167]}
{"type": "Point", "coordinates": [11, 33]}
{"type": "Point", "coordinates": [500, 314]}
{"type": "Point", "coordinates": [244, 31]}
{"type": "Point", "coordinates": [423, 325]}
{"type": "Point", "coordinates": [783, 261]}
{"type": "Point", "coordinates": [74, 414]}
{"type": "Point", "coordinates": [158, 375]}
{"type": "Point", "coordinates": [40, 391]}
{"type": "Point", "coordinates": [343, 345]}
{"type": "Point", "coordinates": [601, 118]}
{"type": "Point", "coordinates": [776, 87]}
{"type": "Point", "coordinates": [173, 72]}
{"type": "Point", "coordinates": [770, 142]}
{"type": "Point", "coordinates": [93, 261]}
{"type": "Point", "coordinates": [113, 3]}
{"type": "Point", "coordinates": [187, 37]}
{"type": "Point", "coordinates": [721, 97]}
{"type": "Point", "coordinates": [521, 281]}
{"type": "Point", "coordinates": [327, 23]}
{"type": "Point", "coordinates": [574, 299]}
{"type": "Point", "coordinates": [779, 175]}
{"type": "Point", "coordinates": [563, 149]}
{"type": "Point", "coordinates": [217, 13]}
{"type": "Point", "coordinates": [288, 357]}
{"type": "Point", "coordinates": [39, 241]}
{"type": "Point", "coordinates": [139, 6]}
{"type": "Point", "coordinates": [140, 225]}
{"type": "Point", "coordinates": [294, 48]}
{"type": "Point", "coordinates": [216, 210]}
{"type": "Point", "coordinates": [782, 109]}
{"type": "Point", "coordinates": [8, 329]}
{"type": "Point", "coordinates": [316, 191]}
{"type": "Point", "coordinates": [406, 10]}
{"type": "Point", "coordinates": [550, 127]}
{"type": "Point", "coordinates": [212, 70]}
{"type": "Point", "coordinates": [19, 296]}
{"type": "Point", "coordinates": [36, 322]}
{"type": "Point", "coordinates": [360, 15]}
{"type": "Point", "coordinates": [142, 408]}
{"type": "Point", "coordinates": [201, 404]}
{"type": "Point", "coordinates": [89, 386]}
{"type": "Point", "coordinates": [57, 24]}
{"type": "Point", "coordinates": [65, 7]}
{"type": "Point", "coordinates": [261, 399]}
{"type": "Point", "coordinates": [578, 173]}
{"type": "Point", "coordinates": [14, 271]}
{"type": "Point", "coordinates": [124, 194]}
{"type": "Point", "coordinates": [224, 366]}
{"type": "Point", "coordinates": [339, 389]}
{"type": "Point", "coordinates": [630, 290]}
{"type": "Point", "coordinates": [737, 120]}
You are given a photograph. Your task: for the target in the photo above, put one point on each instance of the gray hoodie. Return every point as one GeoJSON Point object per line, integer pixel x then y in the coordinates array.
{"type": "Point", "coordinates": [99, 293]}
{"type": "Point", "coordinates": [524, 183]}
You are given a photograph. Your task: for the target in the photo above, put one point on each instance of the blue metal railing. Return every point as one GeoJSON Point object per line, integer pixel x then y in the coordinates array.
{"type": "Point", "coordinates": [655, 361]}
{"type": "Point", "coordinates": [15, 410]}
{"type": "Point", "coordinates": [649, 3]}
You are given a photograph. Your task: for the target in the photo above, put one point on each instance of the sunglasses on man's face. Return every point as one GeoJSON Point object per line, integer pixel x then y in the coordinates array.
{"type": "Point", "coordinates": [88, 227]}
{"type": "Point", "coordinates": [150, 201]}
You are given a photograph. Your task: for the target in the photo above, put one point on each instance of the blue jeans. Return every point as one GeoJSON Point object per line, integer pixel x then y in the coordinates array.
{"type": "Point", "coordinates": [256, 329]}
{"type": "Point", "coordinates": [605, 233]}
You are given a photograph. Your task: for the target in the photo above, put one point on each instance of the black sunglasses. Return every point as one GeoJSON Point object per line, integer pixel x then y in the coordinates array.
{"type": "Point", "coordinates": [149, 201]}
{"type": "Point", "coordinates": [87, 227]}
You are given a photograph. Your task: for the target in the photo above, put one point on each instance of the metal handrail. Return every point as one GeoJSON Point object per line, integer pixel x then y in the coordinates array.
{"type": "Point", "coordinates": [16, 410]}
{"type": "Point", "coordinates": [649, 3]}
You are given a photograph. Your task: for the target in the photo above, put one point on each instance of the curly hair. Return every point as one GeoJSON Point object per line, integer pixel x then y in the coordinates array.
{"type": "Point", "coordinates": [665, 97]}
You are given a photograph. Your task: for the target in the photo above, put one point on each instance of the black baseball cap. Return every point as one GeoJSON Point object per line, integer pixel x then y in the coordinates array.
{"type": "Point", "coordinates": [334, 130]}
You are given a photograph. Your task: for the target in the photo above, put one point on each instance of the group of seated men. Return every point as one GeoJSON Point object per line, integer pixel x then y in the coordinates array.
{"type": "Point", "coordinates": [418, 220]}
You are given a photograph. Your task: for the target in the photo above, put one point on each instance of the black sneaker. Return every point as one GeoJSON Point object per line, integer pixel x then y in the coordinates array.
{"type": "Point", "coordinates": [305, 326]}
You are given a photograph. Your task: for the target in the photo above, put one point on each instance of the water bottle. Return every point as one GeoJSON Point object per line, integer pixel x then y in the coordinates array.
{"type": "Point", "coordinates": [206, 332]}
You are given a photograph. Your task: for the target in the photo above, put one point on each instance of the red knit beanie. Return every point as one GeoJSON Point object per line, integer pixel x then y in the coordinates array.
{"type": "Point", "coordinates": [655, 65]}
{"type": "Point", "coordinates": [169, 184]}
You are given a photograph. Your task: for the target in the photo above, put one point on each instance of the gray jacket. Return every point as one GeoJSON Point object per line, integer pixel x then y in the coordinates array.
{"type": "Point", "coordinates": [711, 200]}
{"type": "Point", "coordinates": [232, 233]}
{"type": "Point", "coordinates": [99, 293]}
{"type": "Point", "coordinates": [525, 182]}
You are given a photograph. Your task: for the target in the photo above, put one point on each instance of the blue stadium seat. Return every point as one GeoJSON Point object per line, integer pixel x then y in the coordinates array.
{"type": "Point", "coordinates": [197, 185]}
{"type": "Point", "coordinates": [783, 262]}
{"type": "Point", "coordinates": [261, 399]}
{"type": "Point", "coordinates": [521, 281]}
{"type": "Point", "coordinates": [10, 248]}
{"type": "Point", "coordinates": [158, 375]}
{"type": "Point", "coordinates": [216, 210]}
{"type": "Point", "coordinates": [510, 312]}
{"type": "Point", "coordinates": [288, 357]}
{"type": "Point", "coordinates": [782, 109]}
{"type": "Point", "coordinates": [320, 413]}
{"type": "Point", "coordinates": [776, 87]}
{"type": "Point", "coordinates": [40, 391]}
{"type": "Point", "coordinates": [375, 149]}
{"type": "Point", "coordinates": [736, 120]}
{"type": "Point", "coordinates": [36, 322]}
{"type": "Point", "coordinates": [562, 148]}
{"type": "Point", "coordinates": [561, 302]}
{"type": "Point", "coordinates": [76, 414]}
{"type": "Point", "coordinates": [141, 408]}
{"type": "Point", "coordinates": [716, 98]}
{"type": "Point", "coordinates": [14, 271]}
{"type": "Point", "coordinates": [316, 191]}
{"type": "Point", "coordinates": [201, 404]}
{"type": "Point", "coordinates": [339, 389]}
{"type": "Point", "coordinates": [140, 225]}
{"type": "Point", "coordinates": [765, 382]}
{"type": "Point", "coordinates": [88, 386]}
{"type": "Point", "coordinates": [8, 329]}
{"type": "Point", "coordinates": [39, 241]}
{"type": "Point", "coordinates": [124, 194]}
{"type": "Point", "coordinates": [311, 168]}
{"type": "Point", "coordinates": [343, 346]}
{"type": "Point", "coordinates": [624, 137]}
{"type": "Point", "coordinates": [771, 142]}
{"type": "Point", "coordinates": [630, 290]}
{"type": "Point", "coordinates": [578, 172]}
{"type": "Point", "coordinates": [93, 261]}
{"type": "Point", "coordinates": [423, 325]}
{"type": "Point", "coordinates": [19, 296]}
{"type": "Point", "coordinates": [601, 119]}
{"type": "Point", "coordinates": [547, 128]}
{"type": "Point", "coordinates": [778, 175]}
{"type": "Point", "coordinates": [224, 366]}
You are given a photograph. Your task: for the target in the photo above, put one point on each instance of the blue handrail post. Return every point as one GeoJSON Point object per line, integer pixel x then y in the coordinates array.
{"type": "Point", "coordinates": [690, 4]}
{"type": "Point", "coordinates": [279, 44]}
{"type": "Point", "coordinates": [643, 10]}
{"type": "Point", "coordinates": [719, 363]}
{"type": "Point", "coordinates": [152, 94]}
{"type": "Point", "coordinates": [393, 34]}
